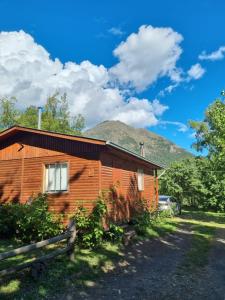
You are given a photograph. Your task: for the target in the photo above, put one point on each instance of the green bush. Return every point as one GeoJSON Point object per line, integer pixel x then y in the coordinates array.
{"type": "Point", "coordinates": [143, 221]}
{"type": "Point", "coordinates": [91, 230]}
{"type": "Point", "coordinates": [90, 226]}
{"type": "Point", "coordinates": [8, 220]}
{"type": "Point", "coordinates": [29, 222]}
{"type": "Point", "coordinates": [167, 213]}
{"type": "Point", "coordinates": [115, 233]}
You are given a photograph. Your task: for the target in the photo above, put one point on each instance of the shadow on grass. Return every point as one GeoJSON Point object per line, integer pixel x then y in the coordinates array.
{"type": "Point", "coordinates": [89, 265]}
{"type": "Point", "coordinates": [199, 215]}
{"type": "Point", "coordinates": [204, 226]}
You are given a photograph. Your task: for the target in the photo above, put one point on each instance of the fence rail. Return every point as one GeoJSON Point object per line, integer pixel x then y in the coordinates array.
{"type": "Point", "coordinates": [38, 264]}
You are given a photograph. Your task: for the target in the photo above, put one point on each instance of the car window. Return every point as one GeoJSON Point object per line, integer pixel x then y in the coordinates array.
{"type": "Point", "coordinates": [163, 198]}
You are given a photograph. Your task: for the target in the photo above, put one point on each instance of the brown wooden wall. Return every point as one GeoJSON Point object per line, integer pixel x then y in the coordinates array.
{"type": "Point", "coordinates": [119, 175]}
{"type": "Point", "coordinates": [22, 162]}
{"type": "Point", "coordinates": [92, 168]}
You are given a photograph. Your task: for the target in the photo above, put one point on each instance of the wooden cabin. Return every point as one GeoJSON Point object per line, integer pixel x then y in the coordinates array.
{"type": "Point", "coordinates": [74, 171]}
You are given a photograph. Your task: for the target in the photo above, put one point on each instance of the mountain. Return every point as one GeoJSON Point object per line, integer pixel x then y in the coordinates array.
{"type": "Point", "coordinates": [157, 148]}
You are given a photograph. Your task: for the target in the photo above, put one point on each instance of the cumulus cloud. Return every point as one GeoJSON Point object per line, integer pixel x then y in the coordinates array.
{"type": "Point", "coordinates": [146, 56]}
{"type": "Point", "coordinates": [141, 112]}
{"type": "Point", "coordinates": [215, 55]}
{"type": "Point", "coordinates": [29, 73]}
{"type": "Point", "coordinates": [196, 72]}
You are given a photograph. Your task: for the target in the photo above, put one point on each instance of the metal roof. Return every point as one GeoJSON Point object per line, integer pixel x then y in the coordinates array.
{"type": "Point", "coordinates": [134, 154]}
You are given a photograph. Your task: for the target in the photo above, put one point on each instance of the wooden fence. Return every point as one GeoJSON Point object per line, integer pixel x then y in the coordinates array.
{"type": "Point", "coordinates": [38, 264]}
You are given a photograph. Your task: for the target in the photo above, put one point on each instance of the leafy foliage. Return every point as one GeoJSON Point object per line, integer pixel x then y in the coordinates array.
{"type": "Point", "coordinates": [28, 222]}
{"type": "Point", "coordinates": [114, 233]}
{"type": "Point", "coordinates": [90, 226]}
{"type": "Point", "coordinates": [200, 182]}
{"type": "Point", "coordinates": [8, 112]}
{"type": "Point", "coordinates": [56, 115]}
{"type": "Point", "coordinates": [144, 217]}
{"type": "Point", "coordinates": [91, 229]}
{"type": "Point", "coordinates": [183, 181]}
{"type": "Point", "coordinates": [210, 134]}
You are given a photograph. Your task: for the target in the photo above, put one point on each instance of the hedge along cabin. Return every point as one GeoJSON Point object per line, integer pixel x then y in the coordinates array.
{"type": "Point", "coordinates": [74, 170]}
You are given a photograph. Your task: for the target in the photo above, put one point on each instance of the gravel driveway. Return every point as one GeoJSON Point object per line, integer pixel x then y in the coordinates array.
{"type": "Point", "coordinates": [150, 271]}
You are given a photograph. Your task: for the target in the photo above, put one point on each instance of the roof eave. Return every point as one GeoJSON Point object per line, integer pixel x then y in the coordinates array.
{"type": "Point", "coordinates": [158, 166]}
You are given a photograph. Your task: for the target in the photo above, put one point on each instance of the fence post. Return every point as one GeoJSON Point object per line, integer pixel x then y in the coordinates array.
{"type": "Point", "coordinates": [71, 239]}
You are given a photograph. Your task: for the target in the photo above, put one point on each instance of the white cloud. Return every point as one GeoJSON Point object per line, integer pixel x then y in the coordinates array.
{"type": "Point", "coordinates": [181, 126]}
{"type": "Point", "coordinates": [146, 56]}
{"type": "Point", "coordinates": [140, 113]}
{"type": "Point", "coordinates": [29, 73]}
{"type": "Point", "coordinates": [215, 55]}
{"type": "Point", "coordinates": [196, 72]}
{"type": "Point", "coordinates": [116, 31]}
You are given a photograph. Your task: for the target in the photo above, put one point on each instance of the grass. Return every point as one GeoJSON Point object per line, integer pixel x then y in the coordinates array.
{"type": "Point", "coordinates": [203, 226]}
{"type": "Point", "coordinates": [61, 273]}
{"type": "Point", "coordinates": [159, 228]}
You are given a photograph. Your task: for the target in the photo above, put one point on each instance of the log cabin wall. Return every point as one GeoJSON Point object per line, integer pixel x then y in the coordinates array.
{"type": "Point", "coordinates": [119, 177]}
{"type": "Point", "coordinates": [22, 166]}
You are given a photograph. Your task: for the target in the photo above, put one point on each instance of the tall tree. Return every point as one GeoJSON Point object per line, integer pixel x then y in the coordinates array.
{"type": "Point", "coordinates": [210, 134]}
{"type": "Point", "coordinates": [8, 112]}
{"type": "Point", "coordinates": [201, 181]}
{"type": "Point", "coordinates": [29, 117]}
{"type": "Point", "coordinates": [56, 115]}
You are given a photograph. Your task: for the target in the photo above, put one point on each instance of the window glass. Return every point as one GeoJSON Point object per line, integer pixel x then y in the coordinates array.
{"type": "Point", "coordinates": [56, 177]}
{"type": "Point", "coordinates": [140, 180]}
{"type": "Point", "coordinates": [51, 178]}
{"type": "Point", "coordinates": [64, 177]}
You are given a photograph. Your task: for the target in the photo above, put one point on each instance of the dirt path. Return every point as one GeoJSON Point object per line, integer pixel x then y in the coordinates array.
{"type": "Point", "coordinates": [150, 270]}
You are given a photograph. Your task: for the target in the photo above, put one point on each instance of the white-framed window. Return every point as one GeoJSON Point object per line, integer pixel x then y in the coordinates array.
{"type": "Point", "coordinates": [56, 177]}
{"type": "Point", "coordinates": [140, 179]}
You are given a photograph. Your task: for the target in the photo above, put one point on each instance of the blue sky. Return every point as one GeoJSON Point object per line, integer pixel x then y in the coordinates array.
{"type": "Point", "coordinates": [78, 31]}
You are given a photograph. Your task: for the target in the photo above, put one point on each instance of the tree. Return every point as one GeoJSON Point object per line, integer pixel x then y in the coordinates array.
{"type": "Point", "coordinates": [210, 134]}
{"type": "Point", "coordinates": [29, 117]}
{"type": "Point", "coordinates": [8, 112]}
{"type": "Point", "coordinates": [183, 181]}
{"type": "Point", "coordinates": [56, 115]}
{"type": "Point", "coordinates": [200, 182]}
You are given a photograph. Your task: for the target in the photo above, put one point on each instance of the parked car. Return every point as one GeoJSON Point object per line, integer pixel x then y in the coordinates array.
{"type": "Point", "coordinates": [169, 203]}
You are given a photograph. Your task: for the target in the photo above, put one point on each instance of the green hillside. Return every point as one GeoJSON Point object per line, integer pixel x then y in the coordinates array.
{"type": "Point", "coordinates": [157, 148]}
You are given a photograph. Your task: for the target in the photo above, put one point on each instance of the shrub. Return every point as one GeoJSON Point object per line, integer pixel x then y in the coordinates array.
{"type": "Point", "coordinates": [91, 231]}
{"type": "Point", "coordinates": [143, 221]}
{"type": "Point", "coordinates": [115, 233]}
{"type": "Point", "coordinates": [90, 226]}
{"type": "Point", "coordinates": [167, 213]}
{"type": "Point", "coordinates": [29, 222]}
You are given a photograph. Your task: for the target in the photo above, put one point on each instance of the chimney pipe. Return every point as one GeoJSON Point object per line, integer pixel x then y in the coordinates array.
{"type": "Point", "coordinates": [142, 149]}
{"type": "Point", "coordinates": [39, 116]}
